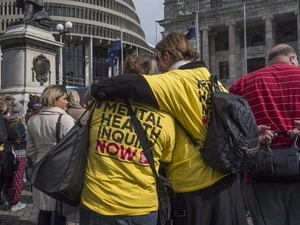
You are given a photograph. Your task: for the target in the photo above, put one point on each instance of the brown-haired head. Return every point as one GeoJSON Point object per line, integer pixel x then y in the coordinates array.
{"type": "Point", "coordinates": [173, 48]}
{"type": "Point", "coordinates": [140, 64]}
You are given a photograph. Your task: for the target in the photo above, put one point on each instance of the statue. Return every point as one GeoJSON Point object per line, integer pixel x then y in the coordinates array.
{"type": "Point", "coordinates": [34, 13]}
{"type": "Point", "coordinates": [181, 7]}
{"type": "Point", "coordinates": [30, 7]}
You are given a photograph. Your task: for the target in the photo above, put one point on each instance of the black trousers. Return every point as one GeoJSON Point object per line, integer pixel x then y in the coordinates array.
{"type": "Point", "coordinates": [219, 204]}
{"type": "Point", "coordinates": [45, 217]}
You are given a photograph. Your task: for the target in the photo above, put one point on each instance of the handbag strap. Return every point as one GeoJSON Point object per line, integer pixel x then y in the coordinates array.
{"type": "Point", "coordinates": [57, 133]}
{"type": "Point", "coordinates": [57, 128]}
{"type": "Point", "coordinates": [147, 148]}
{"type": "Point", "coordinates": [87, 109]}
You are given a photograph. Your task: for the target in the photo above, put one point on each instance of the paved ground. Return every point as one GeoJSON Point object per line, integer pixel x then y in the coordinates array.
{"type": "Point", "coordinates": [28, 215]}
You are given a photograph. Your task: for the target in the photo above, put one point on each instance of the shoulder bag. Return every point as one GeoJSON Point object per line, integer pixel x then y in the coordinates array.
{"type": "Point", "coordinates": [60, 173]}
{"type": "Point", "coordinates": [164, 189]}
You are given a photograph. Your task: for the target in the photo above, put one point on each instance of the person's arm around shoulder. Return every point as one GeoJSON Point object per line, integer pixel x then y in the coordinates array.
{"type": "Point", "coordinates": [131, 86]}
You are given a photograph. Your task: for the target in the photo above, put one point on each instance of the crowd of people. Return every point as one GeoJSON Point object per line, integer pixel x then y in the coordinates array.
{"type": "Point", "coordinates": [26, 137]}
{"type": "Point", "coordinates": [169, 93]}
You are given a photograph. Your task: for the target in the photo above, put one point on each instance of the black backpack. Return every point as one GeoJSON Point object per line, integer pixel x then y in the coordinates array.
{"type": "Point", "coordinates": [232, 140]}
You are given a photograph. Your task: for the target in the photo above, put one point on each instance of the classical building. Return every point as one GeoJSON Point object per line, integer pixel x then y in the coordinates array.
{"type": "Point", "coordinates": [96, 25]}
{"type": "Point", "coordinates": [221, 39]}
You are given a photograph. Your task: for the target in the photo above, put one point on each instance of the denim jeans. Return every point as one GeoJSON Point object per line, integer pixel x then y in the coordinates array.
{"type": "Point", "coordinates": [88, 217]}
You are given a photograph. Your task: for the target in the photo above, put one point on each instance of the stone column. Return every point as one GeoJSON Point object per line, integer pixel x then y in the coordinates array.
{"type": "Point", "coordinates": [238, 52]}
{"type": "Point", "coordinates": [200, 45]}
{"type": "Point", "coordinates": [205, 45]}
{"type": "Point", "coordinates": [298, 29]}
{"type": "Point", "coordinates": [269, 35]}
{"type": "Point", "coordinates": [89, 63]}
{"type": "Point", "coordinates": [212, 52]}
{"type": "Point", "coordinates": [231, 51]}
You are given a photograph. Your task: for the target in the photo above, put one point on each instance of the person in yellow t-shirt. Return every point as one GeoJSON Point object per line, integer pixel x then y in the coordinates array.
{"type": "Point", "coordinates": [120, 187]}
{"type": "Point", "coordinates": [204, 196]}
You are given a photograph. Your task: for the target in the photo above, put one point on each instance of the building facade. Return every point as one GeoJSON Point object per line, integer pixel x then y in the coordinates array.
{"type": "Point", "coordinates": [96, 25]}
{"type": "Point", "coordinates": [221, 25]}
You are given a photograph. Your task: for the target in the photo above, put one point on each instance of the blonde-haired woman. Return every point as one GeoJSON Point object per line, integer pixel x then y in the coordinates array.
{"type": "Point", "coordinates": [42, 137]}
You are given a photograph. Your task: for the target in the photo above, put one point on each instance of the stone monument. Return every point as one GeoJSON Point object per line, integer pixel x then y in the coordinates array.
{"type": "Point", "coordinates": [28, 53]}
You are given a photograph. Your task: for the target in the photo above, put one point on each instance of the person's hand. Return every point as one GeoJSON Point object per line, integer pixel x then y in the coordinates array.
{"type": "Point", "coordinates": [296, 130]}
{"type": "Point", "coordinates": [265, 134]}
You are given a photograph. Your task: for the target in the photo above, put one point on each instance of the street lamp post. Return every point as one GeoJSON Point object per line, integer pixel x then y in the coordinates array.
{"type": "Point", "coordinates": [62, 30]}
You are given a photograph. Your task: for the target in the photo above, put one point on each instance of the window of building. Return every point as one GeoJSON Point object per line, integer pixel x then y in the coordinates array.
{"type": "Point", "coordinates": [99, 69]}
{"type": "Point", "coordinates": [255, 64]}
{"type": "Point", "coordinates": [9, 9]}
{"type": "Point", "coordinates": [257, 40]}
{"type": "Point", "coordinates": [224, 70]}
{"type": "Point", "coordinates": [289, 36]}
{"type": "Point", "coordinates": [221, 41]}
{"type": "Point", "coordinates": [216, 3]}
{"type": "Point", "coordinates": [74, 64]}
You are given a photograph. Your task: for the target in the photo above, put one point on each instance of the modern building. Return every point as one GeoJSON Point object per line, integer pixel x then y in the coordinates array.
{"type": "Point", "coordinates": [223, 35]}
{"type": "Point", "coordinates": [96, 25]}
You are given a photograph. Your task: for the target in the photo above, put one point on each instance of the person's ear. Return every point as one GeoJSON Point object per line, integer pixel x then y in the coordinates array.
{"type": "Point", "coordinates": [165, 56]}
{"type": "Point", "coordinates": [293, 60]}
{"type": "Point", "coordinates": [168, 58]}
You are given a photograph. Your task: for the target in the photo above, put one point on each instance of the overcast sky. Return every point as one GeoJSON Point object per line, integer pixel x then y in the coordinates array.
{"type": "Point", "coordinates": [149, 11]}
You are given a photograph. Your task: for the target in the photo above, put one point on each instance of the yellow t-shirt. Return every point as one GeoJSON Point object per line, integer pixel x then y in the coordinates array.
{"type": "Point", "coordinates": [119, 180]}
{"type": "Point", "coordinates": [185, 95]}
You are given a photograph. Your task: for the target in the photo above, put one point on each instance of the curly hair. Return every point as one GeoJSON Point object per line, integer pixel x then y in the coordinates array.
{"type": "Point", "coordinates": [176, 44]}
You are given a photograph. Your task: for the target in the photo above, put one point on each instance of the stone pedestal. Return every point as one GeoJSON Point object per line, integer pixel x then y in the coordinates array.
{"type": "Point", "coordinates": [20, 45]}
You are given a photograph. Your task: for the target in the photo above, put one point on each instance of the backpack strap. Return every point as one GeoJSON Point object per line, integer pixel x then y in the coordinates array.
{"type": "Point", "coordinates": [214, 87]}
